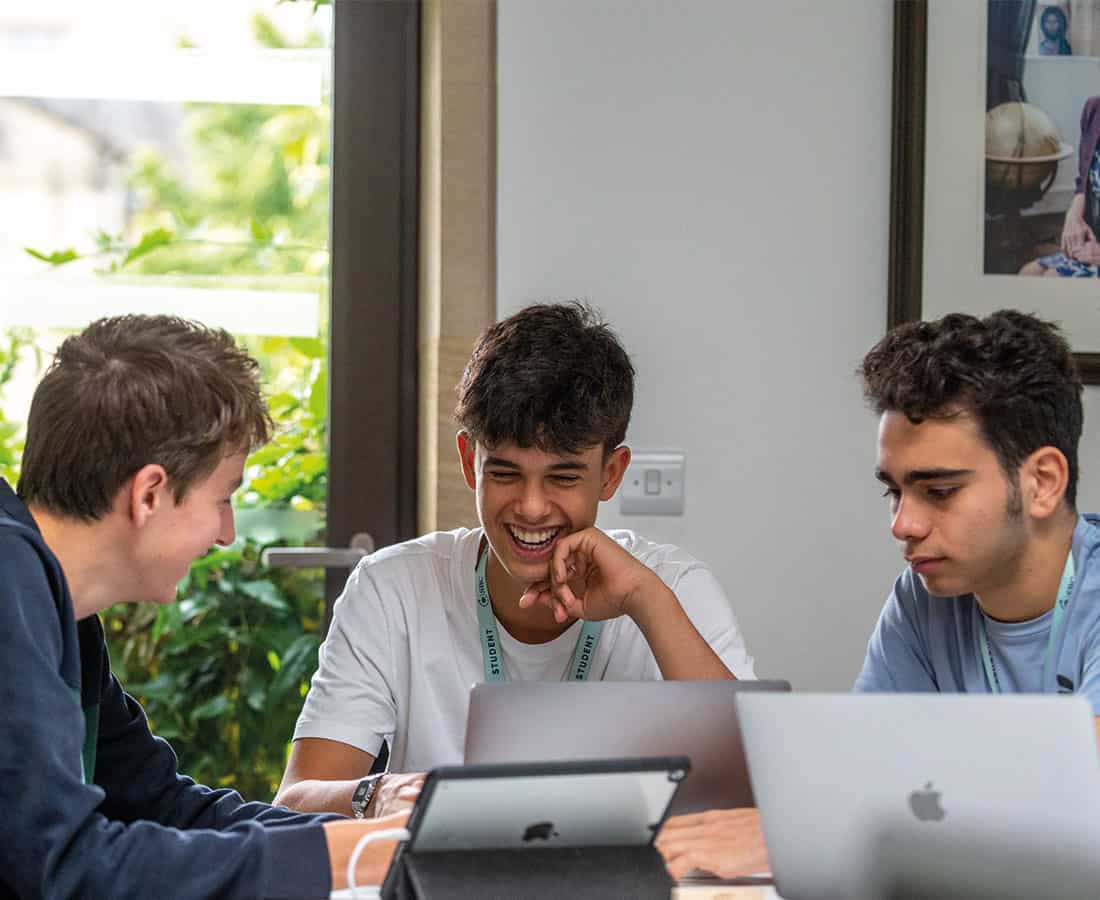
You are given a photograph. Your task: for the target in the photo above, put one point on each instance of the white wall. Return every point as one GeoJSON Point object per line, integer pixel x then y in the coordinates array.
{"type": "Point", "coordinates": [714, 175]}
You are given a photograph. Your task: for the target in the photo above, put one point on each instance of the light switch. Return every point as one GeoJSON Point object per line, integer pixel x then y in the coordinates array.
{"type": "Point", "coordinates": [654, 484]}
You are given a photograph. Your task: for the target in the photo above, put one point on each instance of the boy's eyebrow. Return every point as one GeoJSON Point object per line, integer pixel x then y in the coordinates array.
{"type": "Point", "coordinates": [567, 466]}
{"type": "Point", "coordinates": [919, 475]}
{"type": "Point", "coordinates": [571, 466]}
{"type": "Point", "coordinates": [500, 461]}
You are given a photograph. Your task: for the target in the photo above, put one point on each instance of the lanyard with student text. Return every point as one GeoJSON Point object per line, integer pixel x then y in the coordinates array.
{"type": "Point", "coordinates": [1065, 589]}
{"type": "Point", "coordinates": [579, 666]}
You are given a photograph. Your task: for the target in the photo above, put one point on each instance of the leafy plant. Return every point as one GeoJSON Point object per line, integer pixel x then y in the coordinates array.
{"type": "Point", "coordinates": [14, 342]}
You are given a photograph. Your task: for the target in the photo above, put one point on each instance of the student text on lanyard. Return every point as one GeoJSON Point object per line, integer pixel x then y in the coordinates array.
{"type": "Point", "coordinates": [1061, 602]}
{"type": "Point", "coordinates": [579, 666]}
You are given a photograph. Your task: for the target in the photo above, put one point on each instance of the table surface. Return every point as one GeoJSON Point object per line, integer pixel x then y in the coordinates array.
{"type": "Point", "coordinates": [682, 892]}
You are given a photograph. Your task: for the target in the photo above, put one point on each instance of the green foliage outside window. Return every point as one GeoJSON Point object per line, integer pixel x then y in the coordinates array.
{"type": "Point", "coordinates": [222, 672]}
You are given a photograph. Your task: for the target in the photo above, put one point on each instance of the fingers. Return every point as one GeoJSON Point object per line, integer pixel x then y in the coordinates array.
{"type": "Point", "coordinates": [534, 594]}
{"type": "Point", "coordinates": [688, 820]}
{"type": "Point", "coordinates": [404, 800]}
{"type": "Point", "coordinates": [543, 594]}
{"type": "Point", "coordinates": [679, 866]}
{"type": "Point", "coordinates": [726, 842]}
{"type": "Point", "coordinates": [572, 555]}
{"type": "Point", "coordinates": [397, 793]}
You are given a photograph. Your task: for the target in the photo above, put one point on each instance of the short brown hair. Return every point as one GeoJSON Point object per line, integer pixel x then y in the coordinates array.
{"type": "Point", "coordinates": [552, 376]}
{"type": "Point", "coordinates": [135, 390]}
{"type": "Point", "coordinates": [1013, 372]}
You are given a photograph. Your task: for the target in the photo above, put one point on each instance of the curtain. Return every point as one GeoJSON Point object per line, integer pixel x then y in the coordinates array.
{"type": "Point", "coordinates": [1010, 23]}
{"type": "Point", "coordinates": [1084, 26]}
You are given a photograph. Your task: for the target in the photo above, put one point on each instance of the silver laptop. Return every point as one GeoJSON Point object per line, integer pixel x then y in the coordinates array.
{"type": "Point", "coordinates": [832, 774]}
{"type": "Point", "coordinates": [524, 721]}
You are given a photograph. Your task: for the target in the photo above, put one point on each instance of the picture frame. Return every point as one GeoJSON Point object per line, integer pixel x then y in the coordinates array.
{"type": "Point", "coordinates": [937, 184]}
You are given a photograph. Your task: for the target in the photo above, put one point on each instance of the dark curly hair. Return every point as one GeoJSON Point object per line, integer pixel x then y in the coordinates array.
{"type": "Point", "coordinates": [553, 376]}
{"type": "Point", "coordinates": [1012, 372]}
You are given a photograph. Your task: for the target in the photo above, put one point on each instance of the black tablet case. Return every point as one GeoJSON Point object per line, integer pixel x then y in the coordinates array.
{"type": "Point", "coordinates": [584, 873]}
{"type": "Point", "coordinates": [535, 873]}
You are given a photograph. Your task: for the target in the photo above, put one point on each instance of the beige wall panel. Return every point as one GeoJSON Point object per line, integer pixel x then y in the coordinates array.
{"type": "Point", "coordinates": [458, 234]}
{"type": "Point", "coordinates": [455, 501]}
{"type": "Point", "coordinates": [469, 45]}
{"type": "Point", "coordinates": [468, 212]}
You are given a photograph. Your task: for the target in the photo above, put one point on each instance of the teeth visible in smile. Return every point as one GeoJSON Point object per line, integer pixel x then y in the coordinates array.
{"type": "Point", "coordinates": [533, 538]}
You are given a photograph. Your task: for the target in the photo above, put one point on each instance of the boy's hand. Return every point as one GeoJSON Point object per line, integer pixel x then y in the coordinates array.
{"type": "Point", "coordinates": [728, 843]}
{"type": "Point", "coordinates": [591, 577]}
{"type": "Point", "coordinates": [397, 792]}
{"type": "Point", "coordinates": [341, 838]}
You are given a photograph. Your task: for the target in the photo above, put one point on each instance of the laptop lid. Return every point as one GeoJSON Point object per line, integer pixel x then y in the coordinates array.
{"type": "Point", "coordinates": [831, 773]}
{"type": "Point", "coordinates": [555, 721]}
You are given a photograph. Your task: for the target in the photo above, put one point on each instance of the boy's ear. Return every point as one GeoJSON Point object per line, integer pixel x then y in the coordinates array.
{"type": "Point", "coordinates": [466, 452]}
{"type": "Point", "coordinates": [614, 468]}
{"type": "Point", "coordinates": [146, 493]}
{"type": "Point", "coordinates": [1044, 477]}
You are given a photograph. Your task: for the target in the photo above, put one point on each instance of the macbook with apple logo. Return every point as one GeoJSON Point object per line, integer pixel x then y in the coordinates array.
{"type": "Point", "coordinates": [833, 773]}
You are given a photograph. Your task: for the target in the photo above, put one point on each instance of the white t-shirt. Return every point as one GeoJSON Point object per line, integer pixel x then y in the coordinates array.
{"type": "Point", "coordinates": [405, 646]}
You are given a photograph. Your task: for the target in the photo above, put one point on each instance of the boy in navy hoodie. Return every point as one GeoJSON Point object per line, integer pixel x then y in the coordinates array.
{"type": "Point", "coordinates": [136, 441]}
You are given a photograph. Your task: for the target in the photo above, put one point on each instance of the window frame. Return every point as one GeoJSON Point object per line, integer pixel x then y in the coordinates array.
{"type": "Point", "coordinates": [374, 223]}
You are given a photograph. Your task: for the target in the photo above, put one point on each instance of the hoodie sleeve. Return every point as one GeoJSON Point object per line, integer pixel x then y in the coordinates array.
{"type": "Point", "coordinates": [60, 837]}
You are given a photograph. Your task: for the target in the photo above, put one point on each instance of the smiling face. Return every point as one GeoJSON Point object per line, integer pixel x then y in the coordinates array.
{"type": "Point", "coordinates": [527, 498]}
{"type": "Point", "coordinates": [173, 535]}
{"type": "Point", "coordinates": [957, 518]}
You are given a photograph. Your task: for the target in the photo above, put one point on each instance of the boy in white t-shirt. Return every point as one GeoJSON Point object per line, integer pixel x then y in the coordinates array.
{"type": "Point", "coordinates": [536, 593]}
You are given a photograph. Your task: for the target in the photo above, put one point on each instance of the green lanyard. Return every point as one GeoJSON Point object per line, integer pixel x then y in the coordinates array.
{"type": "Point", "coordinates": [579, 666]}
{"type": "Point", "coordinates": [1061, 603]}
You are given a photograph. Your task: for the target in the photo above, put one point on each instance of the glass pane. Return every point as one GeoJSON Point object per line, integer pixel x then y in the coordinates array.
{"type": "Point", "coordinates": [174, 157]}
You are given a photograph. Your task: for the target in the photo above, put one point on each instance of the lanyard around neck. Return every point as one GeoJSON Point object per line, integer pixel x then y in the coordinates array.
{"type": "Point", "coordinates": [583, 654]}
{"type": "Point", "coordinates": [1061, 603]}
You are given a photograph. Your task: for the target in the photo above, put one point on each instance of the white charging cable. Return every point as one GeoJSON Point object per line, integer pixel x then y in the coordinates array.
{"type": "Point", "coordinates": [390, 834]}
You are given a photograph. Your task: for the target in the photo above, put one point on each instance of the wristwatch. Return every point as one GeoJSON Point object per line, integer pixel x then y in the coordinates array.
{"type": "Point", "coordinates": [364, 791]}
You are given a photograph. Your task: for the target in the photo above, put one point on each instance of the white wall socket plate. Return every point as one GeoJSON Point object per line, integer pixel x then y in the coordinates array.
{"type": "Point", "coordinates": [654, 484]}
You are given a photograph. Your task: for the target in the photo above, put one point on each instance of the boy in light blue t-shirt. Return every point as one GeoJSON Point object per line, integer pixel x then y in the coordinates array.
{"type": "Point", "coordinates": [977, 448]}
{"type": "Point", "coordinates": [980, 422]}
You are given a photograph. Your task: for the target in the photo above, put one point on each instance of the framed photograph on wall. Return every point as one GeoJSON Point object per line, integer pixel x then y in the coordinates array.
{"type": "Point", "coordinates": [995, 176]}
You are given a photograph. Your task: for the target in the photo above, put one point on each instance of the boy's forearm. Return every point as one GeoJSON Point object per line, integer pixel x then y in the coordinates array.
{"type": "Point", "coordinates": [315, 796]}
{"type": "Point", "coordinates": [680, 651]}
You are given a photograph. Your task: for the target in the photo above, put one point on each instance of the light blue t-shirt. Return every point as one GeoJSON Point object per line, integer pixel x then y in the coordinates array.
{"type": "Point", "coordinates": [926, 643]}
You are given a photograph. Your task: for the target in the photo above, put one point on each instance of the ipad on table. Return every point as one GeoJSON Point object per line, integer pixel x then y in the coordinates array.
{"type": "Point", "coordinates": [558, 804]}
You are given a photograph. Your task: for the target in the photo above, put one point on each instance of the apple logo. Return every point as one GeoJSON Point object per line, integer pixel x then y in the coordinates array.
{"type": "Point", "coordinates": [925, 804]}
{"type": "Point", "coordinates": [539, 831]}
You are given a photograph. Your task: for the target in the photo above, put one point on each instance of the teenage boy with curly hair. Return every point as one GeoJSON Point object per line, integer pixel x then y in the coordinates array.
{"type": "Point", "coordinates": [136, 440]}
{"type": "Point", "coordinates": [979, 425]}
{"type": "Point", "coordinates": [536, 593]}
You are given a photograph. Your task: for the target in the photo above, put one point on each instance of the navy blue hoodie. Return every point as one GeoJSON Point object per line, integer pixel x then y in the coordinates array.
{"type": "Point", "coordinates": [137, 828]}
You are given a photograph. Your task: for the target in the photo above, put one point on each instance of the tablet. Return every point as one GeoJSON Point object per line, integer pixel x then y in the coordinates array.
{"type": "Point", "coordinates": [605, 803]}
